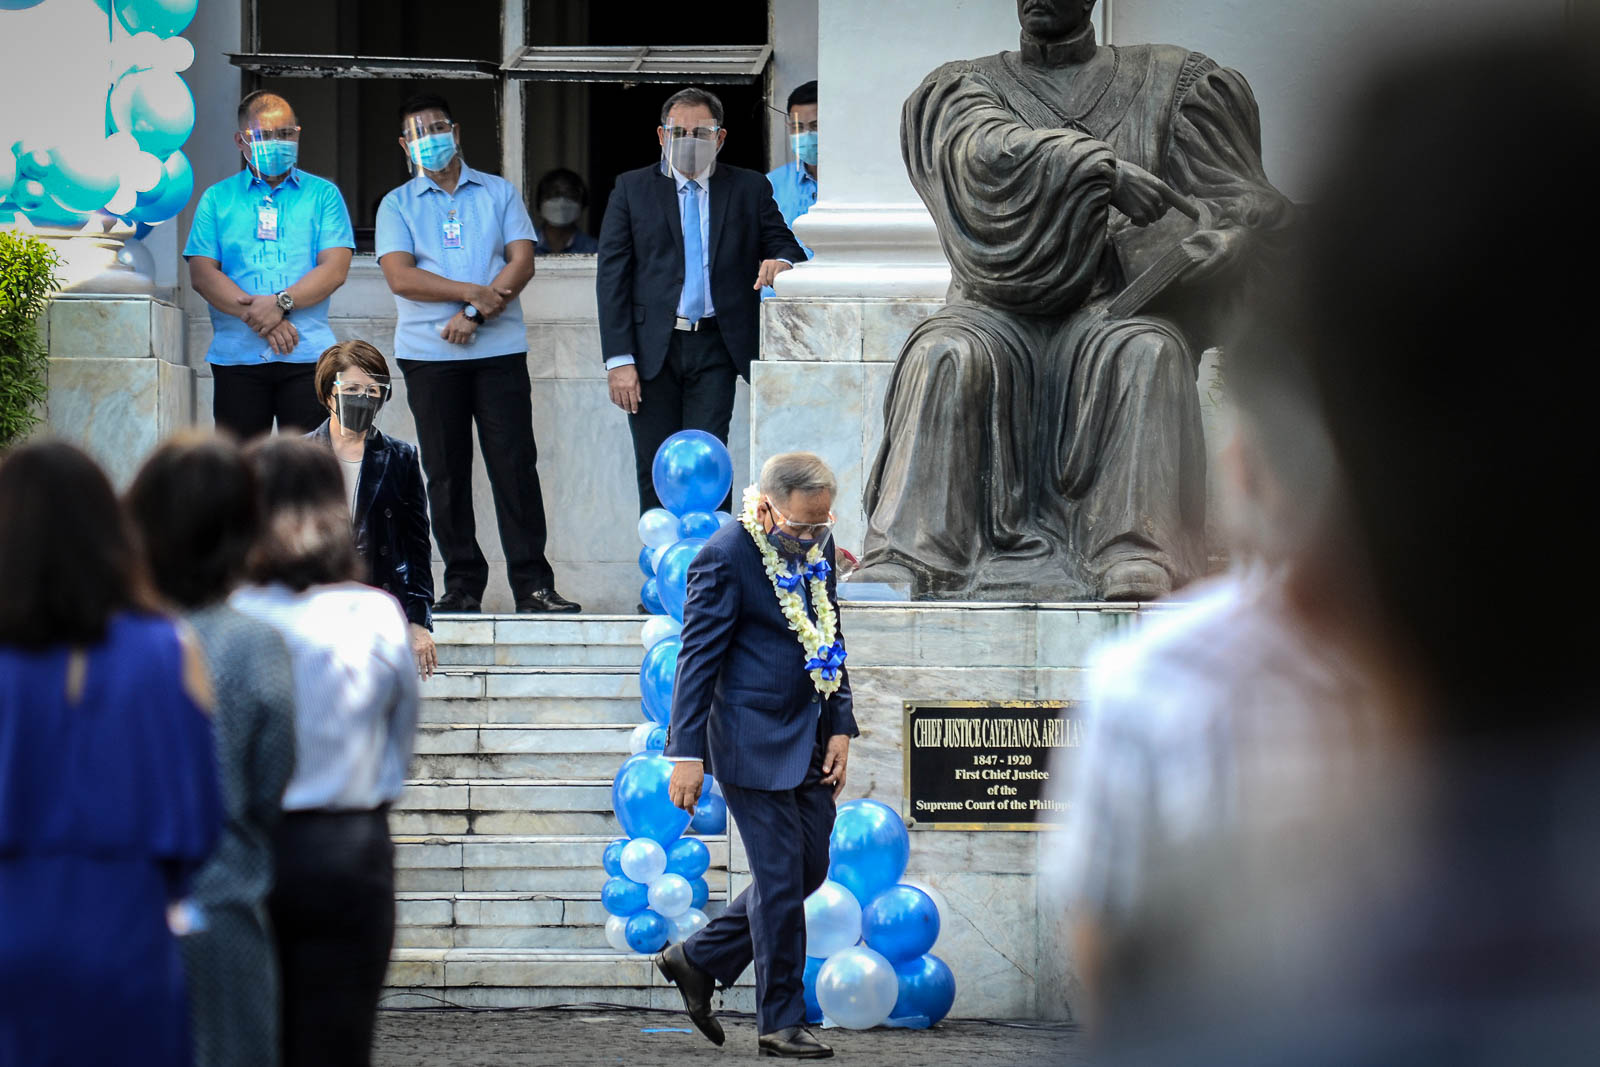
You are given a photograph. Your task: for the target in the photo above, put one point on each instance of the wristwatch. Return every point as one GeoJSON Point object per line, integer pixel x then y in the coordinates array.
{"type": "Point", "coordinates": [473, 315]}
{"type": "Point", "coordinates": [285, 302]}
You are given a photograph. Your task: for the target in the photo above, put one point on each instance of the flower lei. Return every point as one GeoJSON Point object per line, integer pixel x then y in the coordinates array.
{"type": "Point", "coordinates": [825, 654]}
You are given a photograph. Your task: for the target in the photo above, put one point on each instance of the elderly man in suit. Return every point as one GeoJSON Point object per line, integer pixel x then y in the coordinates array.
{"type": "Point", "coordinates": [686, 245]}
{"type": "Point", "coordinates": [763, 699]}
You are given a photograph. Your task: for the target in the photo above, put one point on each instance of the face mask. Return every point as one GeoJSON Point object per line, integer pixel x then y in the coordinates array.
{"type": "Point", "coordinates": [357, 413]}
{"type": "Point", "coordinates": [560, 210]}
{"type": "Point", "coordinates": [692, 156]}
{"type": "Point", "coordinates": [805, 147]}
{"type": "Point", "coordinates": [433, 152]}
{"type": "Point", "coordinates": [790, 545]}
{"type": "Point", "coordinates": [272, 158]}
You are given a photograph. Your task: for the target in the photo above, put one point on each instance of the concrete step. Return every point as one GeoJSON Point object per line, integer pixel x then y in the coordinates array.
{"type": "Point", "coordinates": [519, 863]}
{"type": "Point", "coordinates": [538, 696]}
{"type": "Point", "coordinates": [523, 978]}
{"type": "Point", "coordinates": [505, 750]}
{"type": "Point", "coordinates": [566, 641]}
{"type": "Point", "coordinates": [532, 711]}
{"type": "Point", "coordinates": [573, 921]}
{"type": "Point", "coordinates": [505, 806]}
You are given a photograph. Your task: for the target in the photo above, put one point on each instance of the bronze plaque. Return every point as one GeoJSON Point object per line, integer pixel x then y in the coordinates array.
{"type": "Point", "coordinates": [986, 765]}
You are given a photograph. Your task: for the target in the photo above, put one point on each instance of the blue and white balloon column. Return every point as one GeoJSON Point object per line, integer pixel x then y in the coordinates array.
{"type": "Point", "coordinates": [657, 884]}
{"type": "Point", "coordinates": [869, 935]}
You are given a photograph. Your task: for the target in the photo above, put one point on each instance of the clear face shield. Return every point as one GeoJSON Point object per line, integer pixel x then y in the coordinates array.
{"type": "Point", "coordinates": [692, 152]}
{"type": "Point", "coordinates": [802, 141]}
{"type": "Point", "coordinates": [273, 149]}
{"type": "Point", "coordinates": [357, 401]}
{"type": "Point", "coordinates": [430, 141]}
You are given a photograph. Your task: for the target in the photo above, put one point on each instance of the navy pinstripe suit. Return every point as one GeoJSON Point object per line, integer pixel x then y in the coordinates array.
{"type": "Point", "coordinates": [744, 704]}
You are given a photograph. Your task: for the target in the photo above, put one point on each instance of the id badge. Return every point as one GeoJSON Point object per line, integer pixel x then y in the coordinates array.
{"type": "Point", "coordinates": [452, 234]}
{"type": "Point", "coordinates": [266, 223]}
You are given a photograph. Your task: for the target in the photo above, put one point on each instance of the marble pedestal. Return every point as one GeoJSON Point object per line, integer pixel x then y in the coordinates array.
{"type": "Point", "coordinates": [118, 383]}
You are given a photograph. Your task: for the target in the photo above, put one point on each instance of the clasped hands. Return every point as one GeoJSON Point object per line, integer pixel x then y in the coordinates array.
{"type": "Point", "coordinates": [689, 776]}
{"type": "Point", "coordinates": [488, 300]}
{"type": "Point", "coordinates": [263, 315]}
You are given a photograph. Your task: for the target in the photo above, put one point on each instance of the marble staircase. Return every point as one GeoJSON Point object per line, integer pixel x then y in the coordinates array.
{"type": "Point", "coordinates": [499, 834]}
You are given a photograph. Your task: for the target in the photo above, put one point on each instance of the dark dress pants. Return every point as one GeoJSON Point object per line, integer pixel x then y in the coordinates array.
{"type": "Point", "coordinates": [445, 397]}
{"type": "Point", "coordinates": [785, 834]}
{"type": "Point", "coordinates": [332, 911]}
{"type": "Point", "coordinates": [246, 399]}
{"type": "Point", "coordinates": [692, 391]}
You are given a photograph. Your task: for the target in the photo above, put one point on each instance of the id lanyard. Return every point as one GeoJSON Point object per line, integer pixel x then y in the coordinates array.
{"type": "Point", "coordinates": [452, 230]}
{"type": "Point", "coordinates": [267, 220]}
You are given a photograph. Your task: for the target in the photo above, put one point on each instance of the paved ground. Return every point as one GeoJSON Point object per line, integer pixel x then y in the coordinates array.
{"type": "Point", "coordinates": [597, 1035]}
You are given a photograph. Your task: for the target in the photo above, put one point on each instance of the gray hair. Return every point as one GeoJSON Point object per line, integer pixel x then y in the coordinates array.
{"type": "Point", "coordinates": [796, 472]}
{"type": "Point", "coordinates": [692, 96]}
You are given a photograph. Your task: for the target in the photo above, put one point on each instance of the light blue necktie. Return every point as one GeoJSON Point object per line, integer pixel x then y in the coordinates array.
{"type": "Point", "coordinates": [694, 303]}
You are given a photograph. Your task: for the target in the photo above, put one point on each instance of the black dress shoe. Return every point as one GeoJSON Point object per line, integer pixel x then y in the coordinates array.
{"type": "Point", "coordinates": [546, 600]}
{"type": "Point", "coordinates": [794, 1043]}
{"type": "Point", "coordinates": [696, 987]}
{"type": "Point", "coordinates": [455, 603]}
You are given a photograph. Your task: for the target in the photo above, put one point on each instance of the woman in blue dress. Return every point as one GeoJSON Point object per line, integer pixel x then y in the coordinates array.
{"type": "Point", "coordinates": [109, 799]}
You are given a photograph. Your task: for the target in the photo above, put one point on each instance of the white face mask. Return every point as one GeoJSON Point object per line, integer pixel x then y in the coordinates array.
{"type": "Point", "coordinates": [560, 210]}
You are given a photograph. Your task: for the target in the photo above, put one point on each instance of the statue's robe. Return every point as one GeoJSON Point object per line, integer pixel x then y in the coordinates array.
{"type": "Point", "coordinates": [1032, 440]}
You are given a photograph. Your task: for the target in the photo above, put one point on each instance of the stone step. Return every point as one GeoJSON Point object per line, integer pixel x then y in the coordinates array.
{"type": "Point", "coordinates": [627, 656]}
{"type": "Point", "coordinates": [509, 920]}
{"type": "Point", "coordinates": [528, 978]}
{"type": "Point", "coordinates": [505, 750]}
{"type": "Point", "coordinates": [520, 863]}
{"type": "Point", "coordinates": [574, 641]}
{"type": "Point", "coordinates": [568, 683]}
{"type": "Point", "coordinates": [505, 806]}
{"type": "Point", "coordinates": [533, 711]}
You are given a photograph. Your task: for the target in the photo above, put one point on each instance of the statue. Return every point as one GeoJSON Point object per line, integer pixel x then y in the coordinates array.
{"type": "Point", "coordinates": [1099, 207]}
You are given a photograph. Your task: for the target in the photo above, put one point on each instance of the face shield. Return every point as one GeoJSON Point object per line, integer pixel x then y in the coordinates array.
{"type": "Point", "coordinates": [356, 404]}
{"type": "Point", "coordinates": [430, 140]}
{"type": "Point", "coordinates": [274, 150]}
{"type": "Point", "coordinates": [802, 142]}
{"type": "Point", "coordinates": [692, 152]}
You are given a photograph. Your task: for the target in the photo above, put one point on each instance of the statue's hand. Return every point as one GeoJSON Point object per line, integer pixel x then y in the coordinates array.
{"type": "Point", "coordinates": [1212, 250]}
{"type": "Point", "coordinates": [1142, 196]}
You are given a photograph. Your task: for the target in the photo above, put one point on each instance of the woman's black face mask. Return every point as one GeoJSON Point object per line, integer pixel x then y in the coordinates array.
{"type": "Point", "coordinates": [356, 412]}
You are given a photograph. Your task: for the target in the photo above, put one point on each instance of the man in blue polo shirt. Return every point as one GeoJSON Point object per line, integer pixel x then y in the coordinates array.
{"type": "Point", "coordinates": [268, 246]}
{"type": "Point", "coordinates": [456, 247]}
{"type": "Point", "coordinates": [794, 185]}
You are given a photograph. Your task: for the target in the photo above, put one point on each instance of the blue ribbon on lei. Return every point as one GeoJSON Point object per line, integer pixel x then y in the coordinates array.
{"type": "Point", "coordinates": [818, 571]}
{"type": "Point", "coordinates": [789, 582]}
{"type": "Point", "coordinates": [828, 660]}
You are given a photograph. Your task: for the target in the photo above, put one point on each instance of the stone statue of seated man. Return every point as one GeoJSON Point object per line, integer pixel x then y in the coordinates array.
{"type": "Point", "coordinates": [1099, 207]}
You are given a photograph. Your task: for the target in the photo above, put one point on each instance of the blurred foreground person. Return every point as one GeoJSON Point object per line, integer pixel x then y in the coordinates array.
{"type": "Point", "coordinates": [108, 784]}
{"type": "Point", "coordinates": [355, 682]}
{"type": "Point", "coordinates": [194, 504]}
{"type": "Point", "coordinates": [1430, 899]}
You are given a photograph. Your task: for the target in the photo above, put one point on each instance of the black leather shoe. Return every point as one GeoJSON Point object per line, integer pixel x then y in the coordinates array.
{"type": "Point", "coordinates": [546, 600]}
{"type": "Point", "coordinates": [696, 987]}
{"type": "Point", "coordinates": [454, 603]}
{"type": "Point", "coordinates": [794, 1043]}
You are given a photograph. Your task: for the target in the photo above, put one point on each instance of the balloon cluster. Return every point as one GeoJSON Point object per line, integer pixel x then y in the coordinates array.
{"type": "Point", "coordinates": [127, 165]}
{"type": "Point", "coordinates": [869, 936]}
{"type": "Point", "coordinates": [657, 886]}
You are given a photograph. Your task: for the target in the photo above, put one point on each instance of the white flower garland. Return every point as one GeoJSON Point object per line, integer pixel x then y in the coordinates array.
{"type": "Point", "coordinates": [818, 638]}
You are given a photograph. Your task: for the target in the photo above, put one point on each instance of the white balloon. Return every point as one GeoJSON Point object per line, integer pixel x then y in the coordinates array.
{"type": "Point", "coordinates": [143, 170]}
{"type": "Point", "coordinates": [657, 527]}
{"type": "Point", "coordinates": [643, 860]}
{"type": "Point", "coordinates": [658, 628]}
{"type": "Point", "coordinates": [122, 200]}
{"type": "Point", "coordinates": [671, 895]}
{"type": "Point", "coordinates": [857, 988]}
{"type": "Point", "coordinates": [617, 933]}
{"type": "Point", "coordinates": [639, 740]}
{"type": "Point", "coordinates": [939, 903]}
{"type": "Point", "coordinates": [686, 925]}
{"type": "Point", "coordinates": [655, 556]}
{"type": "Point", "coordinates": [833, 920]}
{"type": "Point", "coordinates": [177, 54]}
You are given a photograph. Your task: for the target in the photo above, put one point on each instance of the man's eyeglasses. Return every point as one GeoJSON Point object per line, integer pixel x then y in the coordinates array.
{"type": "Point", "coordinates": [802, 127]}
{"type": "Point", "coordinates": [802, 529]}
{"type": "Point", "coordinates": [282, 133]}
{"type": "Point", "coordinates": [375, 390]}
{"type": "Point", "coordinates": [702, 133]}
{"type": "Point", "coordinates": [442, 126]}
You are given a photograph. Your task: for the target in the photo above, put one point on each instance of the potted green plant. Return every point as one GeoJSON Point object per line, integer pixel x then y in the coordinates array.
{"type": "Point", "coordinates": [27, 279]}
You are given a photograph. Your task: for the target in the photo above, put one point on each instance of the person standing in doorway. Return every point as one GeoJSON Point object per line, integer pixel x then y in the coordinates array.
{"type": "Point", "coordinates": [456, 247]}
{"type": "Point", "coordinates": [268, 247]}
{"type": "Point", "coordinates": [685, 248]}
{"type": "Point", "coordinates": [561, 197]}
{"type": "Point", "coordinates": [794, 185]}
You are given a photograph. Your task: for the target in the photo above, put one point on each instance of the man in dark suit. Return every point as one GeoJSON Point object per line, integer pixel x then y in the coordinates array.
{"type": "Point", "coordinates": [775, 734]}
{"type": "Point", "coordinates": [685, 248]}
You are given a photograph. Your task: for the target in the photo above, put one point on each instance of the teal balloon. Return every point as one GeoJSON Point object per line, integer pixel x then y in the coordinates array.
{"type": "Point", "coordinates": [693, 471]}
{"type": "Point", "coordinates": [689, 857]}
{"type": "Point", "coordinates": [156, 107]}
{"type": "Point", "coordinates": [639, 797]}
{"type": "Point", "coordinates": [927, 993]}
{"type": "Point", "coordinates": [901, 923]}
{"type": "Point", "coordinates": [18, 5]}
{"type": "Point", "coordinates": [672, 576]}
{"type": "Point", "coordinates": [169, 196]}
{"type": "Point", "coordinates": [164, 18]}
{"type": "Point", "coordinates": [82, 178]}
{"type": "Point", "coordinates": [647, 933]}
{"type": "Point", "coordinates": [624, 896]}
{"type": "Point", "coordinates": [656, 675]}
{"type": "Point", "coordinates": [30, 197]}
{"type": "Point", "coordinates": [710, 816]}
{"type": "Point", "coordinates": [868, 848]}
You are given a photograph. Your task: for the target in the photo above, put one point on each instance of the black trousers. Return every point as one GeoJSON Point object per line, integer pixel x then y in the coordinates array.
{"type": "Point", "coordinates": [785, 834]}
{"type": "Point", "coordinates": [332, 911]}
{"type": "Point", "coordinates": [445, 397]}
{"type": "Point", "coordinates": [692, 391]}
{"type": "Point", "coordinates": [246, 399]}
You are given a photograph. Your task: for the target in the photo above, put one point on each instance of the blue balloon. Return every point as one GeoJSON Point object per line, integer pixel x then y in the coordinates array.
{"type": "Point", "coordinates": [702, 892]}
{"type": "Point", "coordinates": [611, 858]}
{"type": "Point", "coordinates": [623, 896]}
{"type": "Point", "coordinates": [650, 597]}
{"type": "Point", "coordinates": [700, 524]}
{"type": "Point", "coordinates": [901, 923]}
{"type": "Point", "coordinates": [164, 18]}
{"type": "Point", "coordinates": [813, 1009]}
{"type": "Point", "coordinates": [647, 933]}
{"type": "Point", "coordinates": [710, 816]}
{"type": "Point", "coordinates": [645, 552]}
{"type": "Point", "coordinates": [639, 796]}
{"type": "Point", "coordinates": [672, 576]}
{"type": "Point", "coordinates": [693, 471]}
{"type": "Point", "coordinates": [868, 848]}
{"type": "Point", "coordinates": [689, 857]}
{"type": "Point", "coordinates": [927, 992]}
{"type": "Point", "coordinates": [656, 675]}
{"type": "Point", "coordinates": [657, 741]}
{"type": "Point", "coordinates": [169, 196]}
